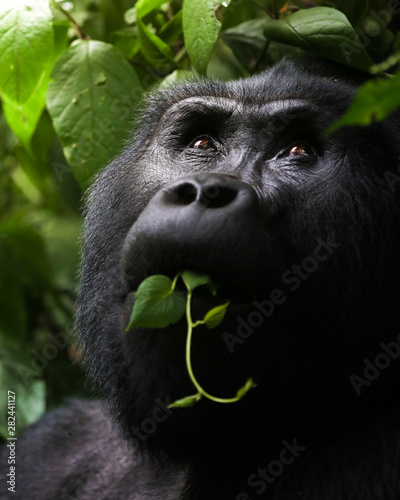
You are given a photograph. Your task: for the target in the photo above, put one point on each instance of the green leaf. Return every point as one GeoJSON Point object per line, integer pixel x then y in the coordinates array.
{"type": "Point", "coordinates": [247, 41]}
{"type": "Point", "coordinates": [157, 52]}
{"type": "Point", "coordinates": [156, 304]}
{"type": "Point", "coordinates": [130, 16]}
{"type": "Point", "coordinates": [23, 118]}
{"type": "Point", "coordinates": [375, 99]}
{"type": "Point", "coordinates": [177, 76]}
{"type": "Point", "coordinates": [193, 280]}
{"type": "Point", "coordinates": [215, 316]}
{"type": "Point", "coordinates": [250, 384]}
{"type": "Point", "coordinates": [26, 44]}
{"type": "Point", "coordinates": [186, 402]}
{"type": "Point", "coordinates": [144, 7]}
{"type": "Point", "coordinates": [323, 31]}
{"type": "Point", "coordinates": [172, 30]}
{"type": "Point", "coordinates": [91, 101]}
{"type": "Point", "coordinates": [201, 29]}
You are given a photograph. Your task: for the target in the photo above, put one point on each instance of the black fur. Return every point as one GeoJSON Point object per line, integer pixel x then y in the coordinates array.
{"type": "Point", "coordinates": [339, 200]}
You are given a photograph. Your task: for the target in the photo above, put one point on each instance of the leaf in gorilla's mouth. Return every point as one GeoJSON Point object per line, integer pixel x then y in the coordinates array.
{"type": "Point", "coordinates": [159, 304]}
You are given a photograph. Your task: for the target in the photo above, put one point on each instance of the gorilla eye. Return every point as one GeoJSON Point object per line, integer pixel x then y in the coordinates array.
{"type": "Point", "coordinates": [298, 150]}
{"type": "Point", "coordinates": [204, 143]}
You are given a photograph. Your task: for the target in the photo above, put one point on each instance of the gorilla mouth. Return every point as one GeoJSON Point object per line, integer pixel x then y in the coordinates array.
{"type": "Point", "coordinates": [202, 299]}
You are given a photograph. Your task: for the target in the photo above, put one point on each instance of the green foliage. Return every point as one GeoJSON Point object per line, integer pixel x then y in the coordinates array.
{"type": "Point", "coordinates": [71, 77]}
{"type": "Point", "coordinates": [86, 73]}
{"type": "Point", "coordinates": [157, 305]}
{"type": "Point", "coordinates": [323, 31]}
{"type": "Point", "coordinates": [201, 28]}
{"type": "Point", "coordinates": [26, 43]}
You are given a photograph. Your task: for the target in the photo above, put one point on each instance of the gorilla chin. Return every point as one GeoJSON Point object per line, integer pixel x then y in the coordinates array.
{"type": "Point", "coordinates": [242, 182]}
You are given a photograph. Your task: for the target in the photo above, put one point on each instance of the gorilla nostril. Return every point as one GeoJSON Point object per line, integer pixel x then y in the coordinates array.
{"type": "Point", "coordinates": [186, 193]}
{"type": "Point", "coordinates": [216, 196]}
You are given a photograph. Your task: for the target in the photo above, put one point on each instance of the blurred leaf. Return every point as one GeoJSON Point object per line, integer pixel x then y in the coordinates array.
{"type": "Point", "coordinates": [23, 118]}
{"type": "Point", "coordinates": [30, 401]}
{"type": "Point", "coordinates": [130, 16]}
{"type": "Point", "coordinates": [186, 402]}
{"type": "Point", "coordinates": [144, 7]}
{"type": "Point", "coordinates": [177, 76]}
{"type": "Point", "coordinates": [26, 272]}
{"type": "Point", "coordinates": [26, 44]}
{"type": "Point", "coordinates": [172, 30]}
{"type": "Point", "coordinates": [247, 41]}
{"type": "Point", "coordinates": [223, 64]}
{"type": "Point", "coordinates": [194, 280]}
{"type": "Point", "coordinates": [126, 41]}
{"type": "Point", "coordinates": [250, 384]}
{"type": "Point", "coordinates": [92, 81]}
{"type": "Point", "coordinates": [323, 31]}
{"type": "Point", "coordinates": [155, 50]}
{"type": "Point", "coordinates": [201, 29]}
{"type": "Point", "coordinates": [374, 101]}
{"type": "Point", "coordinates": [354, 11]}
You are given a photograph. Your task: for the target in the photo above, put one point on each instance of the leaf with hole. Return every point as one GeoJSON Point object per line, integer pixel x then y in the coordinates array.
{"type": "Point", "coordinates": [91, 101]}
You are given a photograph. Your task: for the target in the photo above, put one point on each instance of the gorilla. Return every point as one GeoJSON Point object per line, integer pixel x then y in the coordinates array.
{"type": "Point", "coordinates": [242, 181]}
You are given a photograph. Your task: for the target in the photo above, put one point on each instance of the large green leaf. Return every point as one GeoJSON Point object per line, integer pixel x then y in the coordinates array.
{"type": "Point", "coordinates": [91, 101]}
{"type": "Point", "coordinates": [323, 31]}
{"type": "Point", "coordinates": [156, 304]}
{"type": "Point", "coordinates": [26, 45]}
{"type": "Point", "coordinates": [201, 29]}
{"type": "Point", "coordinates": [23, 118]}
{"type": "Point", "coordinates": [374, 101]}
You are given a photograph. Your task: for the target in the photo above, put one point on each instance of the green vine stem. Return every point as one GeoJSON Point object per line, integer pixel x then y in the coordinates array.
{"type": "Point", "coordinates": [192, 325]}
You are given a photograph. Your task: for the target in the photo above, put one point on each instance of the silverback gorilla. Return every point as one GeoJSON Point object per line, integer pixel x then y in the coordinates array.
{"type": "Point", "coordinates": [240, 181]}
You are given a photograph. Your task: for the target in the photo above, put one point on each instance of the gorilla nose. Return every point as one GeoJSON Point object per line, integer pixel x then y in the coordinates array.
{"type": "Point", "coordinates": [207, 222]}
{"type": "Point", "coordinates": [210, 191]}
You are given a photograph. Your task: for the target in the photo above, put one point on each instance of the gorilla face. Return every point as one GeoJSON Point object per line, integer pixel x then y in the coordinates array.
{"type": "Point", "coordinates": [240, 181]}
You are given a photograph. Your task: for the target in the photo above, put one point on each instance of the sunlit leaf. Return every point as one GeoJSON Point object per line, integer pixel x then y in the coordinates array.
{"type": "Point", "coordinates": [26, 46]}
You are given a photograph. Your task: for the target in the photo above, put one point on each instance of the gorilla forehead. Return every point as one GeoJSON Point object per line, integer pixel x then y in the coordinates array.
{"type": "Point", "coordinates": [286, 81]}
